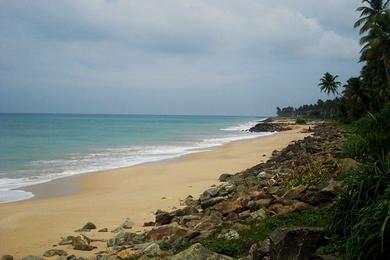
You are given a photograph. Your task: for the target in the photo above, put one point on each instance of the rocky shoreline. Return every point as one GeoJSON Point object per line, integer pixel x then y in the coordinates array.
{"type": "Point", "coordinates": [300, 178]}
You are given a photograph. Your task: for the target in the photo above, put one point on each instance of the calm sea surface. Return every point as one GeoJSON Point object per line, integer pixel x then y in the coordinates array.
{"type": "Point", "coordinates": [37, 148]}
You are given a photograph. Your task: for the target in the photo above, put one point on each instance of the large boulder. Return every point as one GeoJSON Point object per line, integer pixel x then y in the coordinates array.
{"type": "Point", "coordinates": [295, 243]}
{"type": "Point", "coordinates": [198, 252]}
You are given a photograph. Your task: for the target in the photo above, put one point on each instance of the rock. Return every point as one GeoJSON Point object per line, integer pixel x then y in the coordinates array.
{"type": "Point", "coordinates": [230, 235]}
{"type": "Point", "coordinates": [268, 127]}
{"type": "Point", "coordinates": [348, 164]}
{"type": "Point", "coordinates": [228, 206]}
{"type": "Point", "coordinates": [328, 191]}
{"type": "Point", "coordinates": [69, 257]}
{"type": "Point", "coordinates": [7, 257]}
{"type": "Point", "coordinates": [288, 206]}
{"type": "Point", "coordinates": [259, 250]}
{"type": "Point", "coordinates": [294, 243]}
{"type": "Point", "coordinates": [109, 257]}
{"type": "Point", "coordinates": [152, 250]}
{"type": "Point", "coordinates": [103, 230]}
{"type": "Point", "coordinates": [81, 243]}
{"type": "Point", "coordinates": [127, 224]}
{"type": "Point", "coordinates": [149, 224]}
{"type": "Point", "coordinates": [125, 238]}
{"type": "Point", "coordinates": [53, 252]}
{"type": "Point", "coordinates": [66, 241]}
{"type": "Point", "coordinates": [198, 252]}
{"type": "Point", "coordinates": [263, 203]}
{"type": "Point", "coordinates": [189, 201]}
{"type": "Point", "coordinates": [225, 177]}
{"type": "Point", "coordinates": [210, 202]}
{"type": "Point", "coordinates": [259, 214]}
{"type": "Point", "coordinates": [163, 217]}
{"type": "Point", "coordinates": [244, 215]}
{"type": "Point", "coordinates": [173, 231]}
{"type": "Point", "coordinates": [295, 193]}
{"type": "Point", "coordinates": [185, 219]}
{"type": "Point", "coordinates": [89, 226]}
{"type": "Point", "coordinates": [205, 235]}
{"type": "Point", "coordinates": [31, 257]}
{"type": "Point", "coordinates": [208, 194]}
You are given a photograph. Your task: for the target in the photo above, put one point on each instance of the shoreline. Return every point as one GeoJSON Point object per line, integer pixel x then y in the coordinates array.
{"type": "Point", "coordinates": [49, 189]}
{"type": "Point", "coordinates": [109, 197]}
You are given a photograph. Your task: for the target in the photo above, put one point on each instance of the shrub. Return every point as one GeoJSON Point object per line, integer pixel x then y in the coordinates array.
{"type": "Point", "coordinates": [300, 121]}
{"type": "Point", "coordinates": [362, 212]}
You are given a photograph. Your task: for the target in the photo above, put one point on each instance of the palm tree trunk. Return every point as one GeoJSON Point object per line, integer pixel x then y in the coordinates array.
{"type": "Point", "coordinates": [387, 69]}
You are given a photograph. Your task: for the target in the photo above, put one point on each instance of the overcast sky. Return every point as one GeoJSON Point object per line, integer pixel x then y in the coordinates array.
{"type": "Point", "coordinates": [231, 57]}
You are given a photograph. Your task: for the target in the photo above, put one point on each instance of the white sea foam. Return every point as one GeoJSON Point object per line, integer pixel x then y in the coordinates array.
{"type": "Point", "coordinates": [243, 127]}
{"type": "Point", "coordinates": [110, 158]}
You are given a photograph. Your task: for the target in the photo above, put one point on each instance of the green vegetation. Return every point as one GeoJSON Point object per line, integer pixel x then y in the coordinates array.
{"type": "Point", "coordinates": [300, 121]}
{"type": "Point", "coordinates": [260, 230]}
{"type": "Point", "coordinates": [312, 174]}
{"type": "Point", "coordinates": [360, 226]}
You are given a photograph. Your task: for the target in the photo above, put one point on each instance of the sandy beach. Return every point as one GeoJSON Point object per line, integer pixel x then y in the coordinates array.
{"type": "Point", "coordinates": [107, 198]}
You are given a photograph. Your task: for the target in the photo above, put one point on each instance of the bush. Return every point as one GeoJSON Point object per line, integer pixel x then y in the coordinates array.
{"type": "Point", "coordinates": [362, 212]}
{"type": "Point", "coordinates": [300, 121]}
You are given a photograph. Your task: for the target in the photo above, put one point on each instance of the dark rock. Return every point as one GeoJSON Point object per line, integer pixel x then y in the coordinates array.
{"type": "Point", "coordinates": [198, 252]}
{"type": "Point", "coordinates": [269, 127]}
{"type": "Point", "coordinates": [225, 177]}
{"type": "Point", "coordinates": [294, 243]}
{"type": "Point", "coordinates": [53, 252]}
{"type": "Point", "coordinates": [7, 257]}
{"type": "Point", "coordinates": [103, 230]}
{"type": "Point", "coordinates": [149, 224]}
{"type": "Point", "coordinates": [89, 226]}
{"type": "Point", "coordinates": [163, 217]}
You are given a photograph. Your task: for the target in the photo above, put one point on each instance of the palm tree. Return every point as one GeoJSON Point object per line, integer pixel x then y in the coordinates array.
{"type": "Point", "coordinates": [376, 44]}
{"type": "Point", "coordinates": [369, 13]}
{"type": "Point", "coordinates": [356, 93]}
{"type": "Point", "coordinates": [328, 83]}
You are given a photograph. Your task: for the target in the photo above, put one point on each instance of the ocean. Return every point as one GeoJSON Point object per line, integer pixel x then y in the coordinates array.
{"type": "Point", "coordinates": [37, 148]}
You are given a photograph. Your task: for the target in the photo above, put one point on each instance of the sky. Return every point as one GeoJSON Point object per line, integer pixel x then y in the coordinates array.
{"type": "Point", "coordinates": [221, 57]}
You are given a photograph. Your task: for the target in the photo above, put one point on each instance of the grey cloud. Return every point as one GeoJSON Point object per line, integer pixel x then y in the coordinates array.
{"type": "Point", "coordinates": [178, 49]}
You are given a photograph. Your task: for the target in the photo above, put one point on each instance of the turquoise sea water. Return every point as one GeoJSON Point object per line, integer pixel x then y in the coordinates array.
{"type": "Point", "coordinates": [36, 148]}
